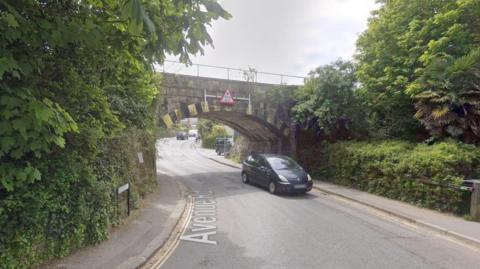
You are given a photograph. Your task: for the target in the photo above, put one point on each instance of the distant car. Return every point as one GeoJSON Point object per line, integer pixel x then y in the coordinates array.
{"type": "Point", "coordinates": [276, 172]}
{"type": "Point", "coordinates": [222, 145]}
{"type": "Point", "coordinates": [182, 136]}
{"type": "Point", "coordinates": [192, 133]}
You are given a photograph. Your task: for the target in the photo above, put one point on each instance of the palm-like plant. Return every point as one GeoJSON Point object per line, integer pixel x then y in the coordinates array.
{"type": "Point", "coordinates": [448, 96]}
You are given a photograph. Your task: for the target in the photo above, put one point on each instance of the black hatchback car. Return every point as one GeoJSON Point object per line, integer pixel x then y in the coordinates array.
{"type": "Point", "coordinates": [276, 172]}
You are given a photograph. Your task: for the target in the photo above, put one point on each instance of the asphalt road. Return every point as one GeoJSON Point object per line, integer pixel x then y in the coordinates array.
{"type": "Point", "coordinates": [234, 225]}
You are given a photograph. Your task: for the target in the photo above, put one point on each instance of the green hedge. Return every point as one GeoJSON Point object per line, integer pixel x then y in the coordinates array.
{"type": "Point", "coordinates": [74, 204]}
{"type": "Point", "coordinates": [415, 173]}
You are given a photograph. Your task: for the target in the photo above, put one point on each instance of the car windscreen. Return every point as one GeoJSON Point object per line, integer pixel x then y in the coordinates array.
{"type": "Point", "coordinates": [278, 163]}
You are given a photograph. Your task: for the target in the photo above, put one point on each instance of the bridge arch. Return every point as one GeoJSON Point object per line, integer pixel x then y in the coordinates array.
{"type": "Point", "coordinates": [265, 125]}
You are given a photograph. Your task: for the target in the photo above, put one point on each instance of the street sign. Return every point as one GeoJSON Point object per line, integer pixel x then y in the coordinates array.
{"type": "Point", "coordinates": [123, 188]}
{"type": "Point", "coordinates": [227, 99]}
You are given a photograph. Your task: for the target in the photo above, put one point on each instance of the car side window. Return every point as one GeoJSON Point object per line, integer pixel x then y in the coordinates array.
{"type": "Point", "coordinates": [262, 163]}
{"type": "Point", "coordinates": [253, 160]}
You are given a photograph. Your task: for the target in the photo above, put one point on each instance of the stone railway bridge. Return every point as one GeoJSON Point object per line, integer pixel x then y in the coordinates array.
{"type": "Point", "coordinates": [266, 124]}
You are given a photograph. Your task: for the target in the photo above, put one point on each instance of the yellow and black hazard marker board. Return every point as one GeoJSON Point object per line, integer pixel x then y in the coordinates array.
{"type": "Point", "coordinates": [192, 109]}
{"type": "Point", "coordinates": [167, 120]}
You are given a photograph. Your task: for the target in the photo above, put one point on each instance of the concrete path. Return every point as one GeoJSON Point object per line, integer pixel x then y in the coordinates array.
{"type": "Point", "coordinates": [134, 242]}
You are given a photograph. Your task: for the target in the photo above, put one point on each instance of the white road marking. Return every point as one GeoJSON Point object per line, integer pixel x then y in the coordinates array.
{"type": "Point", "coordinates": [200, 238]}
{"type": "Point", "coordinates": [204, 215]}
{"type": "Point", "coordinates": [203, 227]}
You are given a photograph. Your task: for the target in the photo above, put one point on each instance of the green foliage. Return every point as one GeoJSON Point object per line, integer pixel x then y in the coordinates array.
{"type": "Point", "coordinates": [78, 100]}
{"type": "Point", "coordinates": [329, 99]}
{"type": "Point", "coordinates": [415, 173]}
{"type": "Point", "coordinates": [448, 102]}
{"type": "Point", "coordinates": [382, 71]}
{"type": "Point", "coordinates": [50, 217]}
{"type": "Point", "coordinates": [180, 27]}
{"type": "Point", "coordinates": [405, 53]}
{"type": "Point", "coordinates": [209, 131]}
{"type": "Point", "coordinates": [28, 129]}
{"type": "Point", "coordinates": [446, 88]}
{"type": "Point", "coordinates": [205, 126]}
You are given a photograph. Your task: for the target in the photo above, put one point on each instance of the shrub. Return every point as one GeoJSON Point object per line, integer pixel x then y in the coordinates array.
{"type": "Point", "coordinates": [209, 136]}
{"type": "Point", "coordinates": [425, 175]}
{"type": "Point", "coordinates": [74, 203]}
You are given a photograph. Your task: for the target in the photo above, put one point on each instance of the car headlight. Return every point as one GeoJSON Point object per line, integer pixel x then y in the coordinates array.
{"type": "Point", "coordinates": [309, 177]}
{"type": "Point", "coordinates": [282, 178]}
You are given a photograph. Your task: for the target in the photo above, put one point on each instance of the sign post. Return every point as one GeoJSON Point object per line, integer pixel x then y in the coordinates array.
{"type": "Point", "coordinates": [475, 200]}
{"type": "Point", "coordinates": [123, 188]}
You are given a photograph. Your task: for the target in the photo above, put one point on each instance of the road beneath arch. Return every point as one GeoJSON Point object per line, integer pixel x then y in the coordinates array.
{"type": "Point", "coordinates": [243, 226]}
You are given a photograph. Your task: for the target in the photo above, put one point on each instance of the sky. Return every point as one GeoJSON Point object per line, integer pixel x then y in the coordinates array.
{"type": "Point", "coordinates": [282, 36]}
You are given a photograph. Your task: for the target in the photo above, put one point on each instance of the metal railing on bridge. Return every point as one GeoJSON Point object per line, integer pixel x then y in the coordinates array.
{"type": "Point", "coordinates": [230, 73]}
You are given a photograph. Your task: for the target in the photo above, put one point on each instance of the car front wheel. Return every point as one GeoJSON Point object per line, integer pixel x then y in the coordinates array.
{"type": "Point", "coordinates": [272, 188]}
{"type": "Point", "coordinates": [245, 178]}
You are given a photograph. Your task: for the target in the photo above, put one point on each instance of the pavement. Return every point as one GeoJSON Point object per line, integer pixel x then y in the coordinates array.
{"type": "Point", "coordinates": [133, 242]}
{"type": "Point", "coordinates": [455, 227]}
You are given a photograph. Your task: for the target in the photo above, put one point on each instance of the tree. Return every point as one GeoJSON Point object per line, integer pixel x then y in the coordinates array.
{"type": "Point", "coordinates": [447, 89]}
{"type": "Point", "coordinates": [329, 100]}
{"type": "Point", "coordinates": [405, 44]}
{"type": "Point", "coordinates": [75, 77]}
{"type": "Point", "coordinates": [386, 65]}
{"type": "Point", "coordinates": [209, 131]}
{"type": "Point", "coordinates": [56, 53]}
{"type": "Point", "coordinates": [448, 98]}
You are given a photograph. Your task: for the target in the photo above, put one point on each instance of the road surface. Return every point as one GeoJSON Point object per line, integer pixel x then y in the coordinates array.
{"type": "Point", "coordinates": [234, 225]}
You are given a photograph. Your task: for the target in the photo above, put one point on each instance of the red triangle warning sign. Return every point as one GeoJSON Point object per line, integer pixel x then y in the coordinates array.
{"type": "Point", "coordinates": [227, 99]}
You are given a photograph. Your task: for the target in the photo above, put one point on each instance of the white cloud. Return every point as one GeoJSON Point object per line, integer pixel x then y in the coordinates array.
{"type": "Point", "coordinates": [284, 36]}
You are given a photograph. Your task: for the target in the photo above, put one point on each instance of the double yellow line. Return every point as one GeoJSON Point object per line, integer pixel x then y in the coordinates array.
{"type": "Point", "coordinates": [162, 254]}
